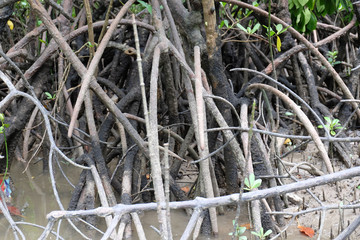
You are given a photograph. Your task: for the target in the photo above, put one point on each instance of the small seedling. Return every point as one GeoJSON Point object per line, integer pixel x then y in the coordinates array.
{"type": "Point", "coordinates": [249, 30]}
{"type": "Point", "coordinates": [251, 183]}
{"type": "Point", "coordinates": [238, 231]}
{"type": "Point", "coordinates": [50, 96]}
{"type": "Point", "coordinates": [332, 58]}
{"type": "Point", "coordinates": [261, 233]}
{"type": "Point", "coordinates": [279, 30]}
{"type": "Point", "coordinates": [331, 125]}
{"type": "Point", "coordinates": [2, 131]}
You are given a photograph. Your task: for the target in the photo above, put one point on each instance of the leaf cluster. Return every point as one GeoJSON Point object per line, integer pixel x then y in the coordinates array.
{"type": "Point", "coordinates": [331, 125]}
{"type": "Point", "coordinates": [251, 182]}
{"type": "Point", "coordinates": [305, 13]}
{"type": "Point", "coordinates": [239, 231]}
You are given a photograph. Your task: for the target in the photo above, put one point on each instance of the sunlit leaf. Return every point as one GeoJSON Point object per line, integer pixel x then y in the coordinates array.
{"type": "Point", "coordinates": [278, 43]}
{"type": "Point", "coordinates": [256, 27]}
{"type": "Point", "coordinates": [257, 183]}
{"type": "Point", "coordinates": [146, 5]}
{"type": "Point", "coordinates": [241, 27]}
{"type": "Point", "coordinates": [267, 233]}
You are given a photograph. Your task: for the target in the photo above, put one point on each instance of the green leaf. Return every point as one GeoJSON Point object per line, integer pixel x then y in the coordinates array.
{"type": "Point", "coordinates": [241, 230]}
{"type": "Point", "coordinates": [73, 12]}
{"type": "Point", "coordinates": [2, 117]}
{"type": "Point", "coordinates": [146, 5]}
{"type": "Point", "coordinates": [345, 5]}
{"type": "Point", "coordinates": [330, 7]}
{"type": "Point", "coordinates": [221, 24]}
{"type": "Point", "coordinates": [332, 132]}
{"type": "Point", "coordinates": [49, 96]}
{"type": "Point", "coordinates": [307, 16]}
{"type": "Point", "coordinates": [226, 22]}
{"type": "Point", "coordinates": [320, 126]}
{"type": "Point", "coordinates": [279, 27]}
{"type": "Point", "coordinates": [241, 27]}
{"type": "Point", "coordinates": [257, 183]}
{"type": "Point", "coordinates": [251, 178]}
{"type": "Point", "coordinates": [312, 23]}
{"type": "Point", "coordinates": [320, 7]}
{"type": "Point", "coordinates": [303, 2]}
{"type": "Point", "coordinates": [291, 4]}
{"type": "Point", "coordinates": [289, 114]}
{"type": "Point", "coordinates": [255, 28]}
{"type": "Point", "coordinates": [327, 119]}
{"type": "Point", "coordinates": [310, 4]}
{"type": "Point", "coordinates": [6, 125]}
{"type": "Point", "coordinates": [298, 18]}
{"type": "Point", "coordinates": [246, 182]}
{"type": "Point", "coordinates": [297, 4]}
{"type": "Point", "coordinates": [268, 232]}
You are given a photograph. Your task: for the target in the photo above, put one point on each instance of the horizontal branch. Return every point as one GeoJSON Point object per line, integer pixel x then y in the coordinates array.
{"type": "Point", "coordinates": [213, 202]}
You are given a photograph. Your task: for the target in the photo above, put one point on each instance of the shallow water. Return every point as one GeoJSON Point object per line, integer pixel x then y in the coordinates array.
{"type": "Point", "coordinates": [33, 194]}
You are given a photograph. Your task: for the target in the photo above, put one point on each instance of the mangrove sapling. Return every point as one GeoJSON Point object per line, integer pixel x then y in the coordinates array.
{"type": "Point", "coordinates": [251, 182]}
{"type": "Point", "coordinates": [239, 231]}
{"type": "Point", "coordinates": [331, 125]}
{"type": "Point", "coordinates": [261, 233]}
{"type": "Point", "coordinates": [2, 131]}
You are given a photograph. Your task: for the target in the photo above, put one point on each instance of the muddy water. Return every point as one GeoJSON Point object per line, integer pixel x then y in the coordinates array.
{"type": "Point", "coordinates": [34, 195]}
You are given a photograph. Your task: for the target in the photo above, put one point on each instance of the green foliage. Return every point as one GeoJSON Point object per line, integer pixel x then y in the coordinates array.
{"type": "Point", "coordinates": [226, 23]}
{"type": "Point", "coordinates": [332, 58]}
{"type": "Point", "coordinates": [43, 41]}
{"type": "Point", "coordinates": [136, 8]}
{"type": "Point", "coordinates": [279, 30]}
{"type": "Point", "coordinates": [2, 131]}
{"type": "Point", "coordinates": [236, 12]}
{"type": "Point", "coordinates": [332, 125]}
{"type": "Point", "coordinates": [304, 12]}
{"type": "Point", "coordinates": [238, 231]}
{"type": "Point", "coordinates": [251, 183]}
{"type": "Point", "coordinates": [249, 30]}
{"type": "Point", "coordinates": [21, 10]}
{"type": "Point", "coordinates": [50, 96]}
{"type": "Point", "coordinates": [261, 233]}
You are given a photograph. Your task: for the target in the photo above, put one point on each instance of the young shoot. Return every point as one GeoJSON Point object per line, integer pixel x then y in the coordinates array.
{"type": "Point", "coordinates": [251, 183]}
{"type": "Point", "coordinates": [238, 231]}
{"type": "Point", "coordinates": [50, 96]}
{"type": "Point", "coordinates": [331, 125]}
{"type": "Point", "coordinates": [2, 131]}
{"type": "Point", "coordinates": [261, 233]}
